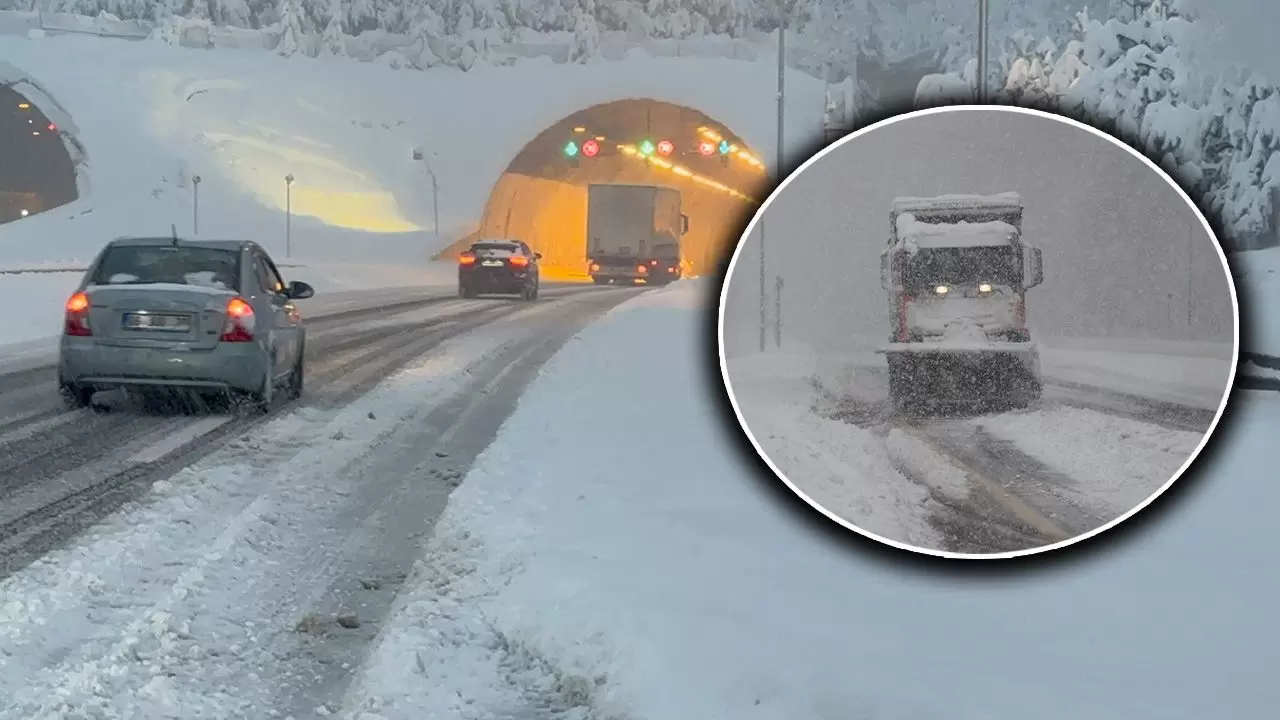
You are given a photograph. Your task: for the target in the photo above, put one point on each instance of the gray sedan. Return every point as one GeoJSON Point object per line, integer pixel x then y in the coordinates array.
{"type": "Point", "coordinates": [212, 316]}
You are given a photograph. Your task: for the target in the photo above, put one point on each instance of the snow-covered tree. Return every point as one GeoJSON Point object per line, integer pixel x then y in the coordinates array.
{"type": "Point", "coordinates": [230, 12]}
{"type": "Point", "coordinates": [333, 42]}
{"type": "Point", "coordinates": [288, 30]}
{"type": "Point", "coordinates": [361, 16]}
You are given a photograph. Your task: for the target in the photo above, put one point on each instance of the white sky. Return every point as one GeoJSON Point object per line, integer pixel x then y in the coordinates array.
{"type": "Point", "coordinates": [1117, 239]}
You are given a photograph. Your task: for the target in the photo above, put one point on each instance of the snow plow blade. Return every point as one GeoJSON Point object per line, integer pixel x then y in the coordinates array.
{"type": "Point", "coordinates": [948, 378]}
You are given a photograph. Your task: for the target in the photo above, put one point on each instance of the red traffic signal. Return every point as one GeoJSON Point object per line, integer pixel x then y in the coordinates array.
{"type": "Point", "coordinates": [666, 147]}
{"type": "Point", "coordinates": [706, 148]}
{"type": "Point", "coordinates": [591, 148]}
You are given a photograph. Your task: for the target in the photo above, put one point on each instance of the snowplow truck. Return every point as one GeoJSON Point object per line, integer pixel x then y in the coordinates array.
{"type": "Point", "coordinates": [957, 271]}
{"type": "Point", "coordinates": [634, 234]}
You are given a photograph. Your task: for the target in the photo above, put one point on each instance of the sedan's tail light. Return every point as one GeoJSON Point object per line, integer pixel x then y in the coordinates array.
{"type": "Point", "coordinates": [240, 321]}
{"type": "Point", "coordinates": [519, 261]}
{"type": "Point", "coordinates": [466, 259]}
{"type": "Point", "coordinates": [76, 321]}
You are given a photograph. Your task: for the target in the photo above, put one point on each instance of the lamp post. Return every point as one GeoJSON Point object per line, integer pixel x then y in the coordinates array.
{"type": "Point", "coordinates": [763, 294]}
{"type": "Point", "coordinates": [983, 21]}
{"type": "Point", "coordinates": [421, 156]}
{"type": "Point", "coordinates": [195, 205]}
{"type": "Point", "coordinates": [777, 312]}
{"type": "Point", "coordinates": [288, 215]}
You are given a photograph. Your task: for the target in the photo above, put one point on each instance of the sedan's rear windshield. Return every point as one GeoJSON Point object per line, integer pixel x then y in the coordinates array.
{"type": "Point", "coordinates": [138, 265]}
{"type": "Point", "coordinates": [493, 249]}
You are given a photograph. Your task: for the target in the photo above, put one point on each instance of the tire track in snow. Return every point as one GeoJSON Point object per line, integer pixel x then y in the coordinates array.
{"type": "Point", "coordinates": [58, 483]}
{"type": "Point", "coordinates": [86, 678]}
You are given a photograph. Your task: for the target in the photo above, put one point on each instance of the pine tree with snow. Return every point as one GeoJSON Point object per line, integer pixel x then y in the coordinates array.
{"type": "Point", "coordinates": [288, 30]}
{"type": "Point", "coordinates": [428, 38]}
{"type": "Point", "coordinates": [333, 42]}
{"type": "Point", "coordinates": [361, 16]}
{"type": "Point", "coordinates": [234, 13]}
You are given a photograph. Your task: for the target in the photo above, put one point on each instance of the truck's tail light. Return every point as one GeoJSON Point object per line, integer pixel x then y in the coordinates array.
{"type": "Point", "coordinates": [518, 261]}
{"type": "Point", "coordinates": [984, 288]}
{"type": "Point", "coordinates": [1020, 312]}
{"type": "Point", "coordinates": [240, 321]}
{"type": "Point", "coordinates": [642, 269]}
{"type": "Point", "coordinates": [595, 266]}
{"type": "Point", "coordinates": [76, 321]}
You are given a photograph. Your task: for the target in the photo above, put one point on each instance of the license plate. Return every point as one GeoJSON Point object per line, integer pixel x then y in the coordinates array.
{"type": "Point", "coordinates": [157, 321]}
{"type": "Point", "coordinates": [492, 263]}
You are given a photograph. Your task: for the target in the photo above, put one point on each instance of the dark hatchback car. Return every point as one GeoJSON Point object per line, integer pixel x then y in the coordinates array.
{"type": "Point", "coordinates": [498, 267]}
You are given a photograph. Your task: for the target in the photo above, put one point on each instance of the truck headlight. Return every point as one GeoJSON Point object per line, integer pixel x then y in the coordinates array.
{"type": "Point", "coordinates": [942, 289]}
{"type": "Point", "coordinates": [984, 288]}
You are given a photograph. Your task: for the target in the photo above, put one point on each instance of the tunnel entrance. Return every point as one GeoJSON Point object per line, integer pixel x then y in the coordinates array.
{"type": "Point", "coordinates": [541, 198]}
{"type": "Point", "coordinates": [36, 170]}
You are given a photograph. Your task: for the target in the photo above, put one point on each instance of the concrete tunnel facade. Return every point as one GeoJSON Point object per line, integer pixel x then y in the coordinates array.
{"type": "Point", "coordinates": [542, 197]}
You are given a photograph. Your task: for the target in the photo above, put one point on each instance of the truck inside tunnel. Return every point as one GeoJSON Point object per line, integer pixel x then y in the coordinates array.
{"type": "Point", "coordinates": [36, 170]}
{"type": "Point", "coordinates": [541, 198]}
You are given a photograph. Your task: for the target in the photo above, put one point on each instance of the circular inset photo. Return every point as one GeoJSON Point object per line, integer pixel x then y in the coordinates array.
{"type": "Point", "coordinates": [978, 332]}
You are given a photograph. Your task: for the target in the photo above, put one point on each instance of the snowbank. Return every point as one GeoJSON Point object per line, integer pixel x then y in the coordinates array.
{"type": "Point", "coordinates": [1257, 274]}
{"type": "Point", "coordinates": [682, 589]}
{"type": "Point", "coordinates": [839, 466]}
{"type": "Point", "coordinates": [156, 116]}
{"type": "Point", "coordinates": [1189, 373]}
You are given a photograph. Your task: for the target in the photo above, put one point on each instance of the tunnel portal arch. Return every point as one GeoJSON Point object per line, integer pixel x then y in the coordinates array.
{"type": "Point", "coordinates": [37, 169]}
{"type": "Point", "coordinates": [541, 195]}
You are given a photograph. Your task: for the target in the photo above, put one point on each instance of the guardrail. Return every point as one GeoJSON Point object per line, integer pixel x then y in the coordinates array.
{"type": "Point", "coordinates": [1246, 380]}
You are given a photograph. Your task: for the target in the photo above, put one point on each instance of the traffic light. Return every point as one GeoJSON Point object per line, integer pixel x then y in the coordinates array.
{"type": "Point", "coordinates": [706, 148]}
{"type": "Point", "coordinates": [590, 148]}
{"type": "Point", "coordinates": [646, 147]}
{"type": "Point", "coordinates": [724, 149]}
{"type": "Point", "coordinates": [571, 152]}
{"type": "Point", "coordinates": [666, 147]}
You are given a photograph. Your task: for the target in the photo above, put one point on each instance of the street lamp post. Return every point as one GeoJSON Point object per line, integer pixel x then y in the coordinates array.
{"type": "Point", "coordinates": [983, 18]}
{"type": "Point", "coordinates": [195, 205]}
{"type": "Point", "coordinates": [421, 156]}
{"type": "Point", "coordinates": [777, 312]}
{"type": "Point", "coordinates": [786, 8]}
{"type": "Point", "coordinates": [764, 321]}
{"type": "Point", "coordinates": [288, 215]}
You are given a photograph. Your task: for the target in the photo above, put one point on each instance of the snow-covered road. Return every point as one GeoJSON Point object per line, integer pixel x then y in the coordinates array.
{"type": "Point", "coordinates": [253, 558]}
{"type": "Point", "coordinates": [1004, 482]}
{"type": "Point", "coordinates": [569, 579]}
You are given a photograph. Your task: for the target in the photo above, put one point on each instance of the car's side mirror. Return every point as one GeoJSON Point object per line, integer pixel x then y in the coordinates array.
{"type": "Point", "coordinates": [886, 270]}
{"type": "Point", "coordinates": [1034, 272]}
{"type": "Point", "coordinates": [299, 291]}
{"type": "Point", "coordinates": [537, 256]}
{"type": "Point", "coordinates": [684, 224]}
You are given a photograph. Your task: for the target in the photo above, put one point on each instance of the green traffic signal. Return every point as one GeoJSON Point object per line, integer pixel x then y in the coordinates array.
{"type": "Point", "coordinates": [724, 147]}
{"type": "Point", "coordinates": [646, 148]}
{"type": "Point", "coordinates": [571, 150]}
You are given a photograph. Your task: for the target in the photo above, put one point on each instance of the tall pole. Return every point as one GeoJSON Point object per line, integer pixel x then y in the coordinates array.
{"type": "Point", "coordinates": [763, 295]}
{"type": "Point", "coordinates": [288, 215]}
{"type": "Point", "coordinates": [982, 51]}
{"type": "Point", "coordinates": [777, 312]}
{"type": "Point", "coordinates": [781, 100]}
{"type": "Point", "coordinates": [782, 106]}
{"type": "Point", "coordinates": [195, 205]}
{"type": "Point", "coordinates": [435, 203]}
{"type": "Point", "coordinates": [1191, 239]}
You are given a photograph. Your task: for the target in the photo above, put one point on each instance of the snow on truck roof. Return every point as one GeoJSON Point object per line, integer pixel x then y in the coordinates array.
{"type": "Point", "coordinates": [950, 235]}
{"type": "Point", "coordinates": [943, 202]}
